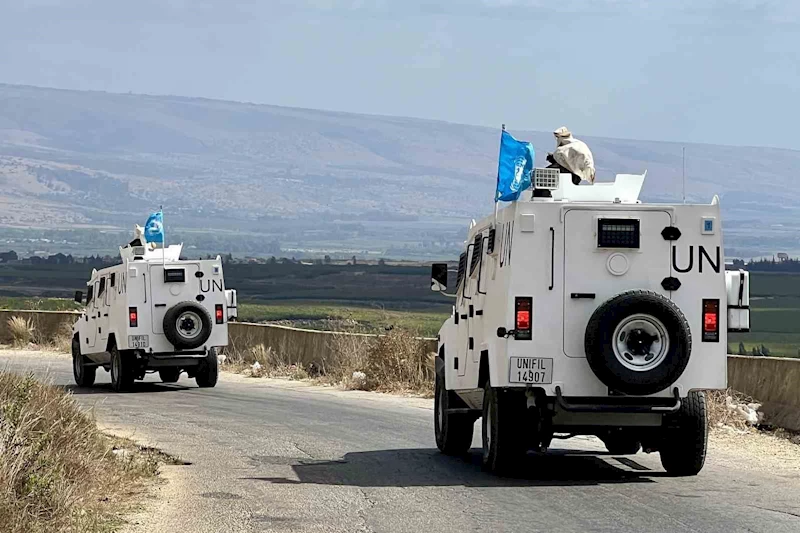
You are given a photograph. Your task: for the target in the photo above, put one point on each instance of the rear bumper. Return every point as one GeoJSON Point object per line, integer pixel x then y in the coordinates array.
{"type": "Point", "coordinates": [184, 358]}
{"type": "Point", "coordinates": [621, 404]}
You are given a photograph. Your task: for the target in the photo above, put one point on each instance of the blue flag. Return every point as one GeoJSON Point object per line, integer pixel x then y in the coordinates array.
{"type": "Point", "coordinates": [514, 168]}
{"type": "Point", "coordinates": [154, 228]}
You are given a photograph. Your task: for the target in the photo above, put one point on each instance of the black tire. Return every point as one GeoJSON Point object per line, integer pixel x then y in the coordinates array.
{"type": "Point", "coordinates": [84, 375]}
{"type": "Point", "coordinates": [503, 423]}
{"type": "Point", "coordinates": [600, 343]}
{"type": "Point", "coordinates": [169, 375]}
{"type": "Point", "coordinates": [453, 430]}
{"type": "Point", "coordinates": [189, 313]}
{"type": "Point", "coordinates": [122, 370]}
{"type": "Point", "coordinates": [208, 371]}
{"type": "Point", "coordinates": [619, 443]}
{"type": "Point", "coordinates": [685, 438]}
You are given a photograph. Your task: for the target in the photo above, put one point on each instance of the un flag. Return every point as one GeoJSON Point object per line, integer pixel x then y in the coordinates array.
{"type": "Point", "coordinates": [154, 228]}
{"type": "Point", "coordinates": [514, 168]}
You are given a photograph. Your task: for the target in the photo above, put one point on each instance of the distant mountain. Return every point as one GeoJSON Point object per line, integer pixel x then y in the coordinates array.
{"type": "Point", "coordinates": [326, 181]}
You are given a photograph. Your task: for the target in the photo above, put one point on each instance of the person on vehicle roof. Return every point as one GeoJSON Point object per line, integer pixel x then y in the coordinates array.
{"type": "Point", "coordinates": [573, 156]}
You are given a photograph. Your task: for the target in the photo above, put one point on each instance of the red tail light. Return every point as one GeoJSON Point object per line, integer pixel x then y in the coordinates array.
{"type": "Point", "coordinates": [133, 317]}
{"type": "Point", "coordinates": [523, 311]}
{"type": "Point", "coordinates": [218, 314]}
{"type": "Point", "coordinates": [710, 320]}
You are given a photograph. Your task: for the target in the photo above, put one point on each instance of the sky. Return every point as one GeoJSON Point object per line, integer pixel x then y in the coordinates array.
{"type": "Point", "coordinates": [714, 71]}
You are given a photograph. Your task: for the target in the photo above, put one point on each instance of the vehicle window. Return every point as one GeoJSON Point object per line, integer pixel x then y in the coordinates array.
{"type": "Point", "coordinates": [113, 278]}
{"type": "Point", "coordinates": [102, 286]}
{"type": "Point", "coordinates": [89, 294]}
{"type": "Point", "coordinates": [477, 253]}
{"type": "Point", "coordinates": [462, 267]}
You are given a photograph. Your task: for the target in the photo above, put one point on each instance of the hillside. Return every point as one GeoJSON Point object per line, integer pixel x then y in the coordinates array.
{"type": "Point", "coordinates": [320, 181]}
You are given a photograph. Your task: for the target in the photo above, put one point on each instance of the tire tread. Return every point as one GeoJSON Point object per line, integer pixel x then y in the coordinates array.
{"type": "Point", "coordinates": [685, 446]}
{"type": "Point", "coordinates": [455, 437]}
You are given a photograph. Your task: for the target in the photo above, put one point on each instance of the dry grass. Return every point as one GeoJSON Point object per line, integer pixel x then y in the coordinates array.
{"type": "Point", "coordinates": [62, 341]}
{"type": "Point", "coordinates": [270, 363]}
{"type": "Point", "coordinates": [22, 331]}
{"type": "Point", "coordinates": [718, 412]}
{"type": "Point", "coordinates": [395, 362]}
{"type": "Point", "coordinates": [57, 471]}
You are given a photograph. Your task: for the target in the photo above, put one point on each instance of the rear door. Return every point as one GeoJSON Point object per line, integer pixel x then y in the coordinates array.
{"type": "Point", "coordinates": [606, 253]}
{"type": "Point", "coordinates": [166, 292]}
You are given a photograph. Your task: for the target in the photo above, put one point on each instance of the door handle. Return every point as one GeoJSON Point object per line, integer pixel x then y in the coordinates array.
{"type": "Point", "coordinates": [582, 295]}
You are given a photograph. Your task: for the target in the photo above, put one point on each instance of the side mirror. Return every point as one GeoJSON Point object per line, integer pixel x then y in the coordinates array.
{"type": "Point", "coordinates": [79, 297]}
{"type": "Point", "coordinates": [439, 277]}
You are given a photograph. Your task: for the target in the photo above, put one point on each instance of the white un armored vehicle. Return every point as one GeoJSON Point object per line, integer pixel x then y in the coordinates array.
{"type": "Point", "coordinates": [581, 310]}
{"type": "Point", "coordinates": [153, 312]}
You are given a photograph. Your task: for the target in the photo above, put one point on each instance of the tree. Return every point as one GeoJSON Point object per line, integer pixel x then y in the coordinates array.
{"type": "Point", "coordinates": [354, 260]}
{"type": "Point", "coordinates": [6, 257]}
{"type": "Point", "coordinates": [764, 350]}
{"type": "Point", "coordinates": [742, 349]}
{"type": "Point", "coordinates": [381, 262]}
{"type": "Point", "coordinates": [327, 260]}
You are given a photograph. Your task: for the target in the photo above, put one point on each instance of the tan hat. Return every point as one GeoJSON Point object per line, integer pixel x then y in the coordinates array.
{"type": "Point", "coordinates": [562, 132]}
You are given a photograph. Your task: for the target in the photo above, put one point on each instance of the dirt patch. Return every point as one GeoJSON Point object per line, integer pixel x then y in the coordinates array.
{"type": "Point", "coordinates": [754, 450]}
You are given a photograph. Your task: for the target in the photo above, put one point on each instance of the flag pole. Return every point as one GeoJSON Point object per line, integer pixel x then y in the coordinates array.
{"type": "Point", "coordinates": [164, 238]}
{"type": "Point", "coordinates": [497, 184]}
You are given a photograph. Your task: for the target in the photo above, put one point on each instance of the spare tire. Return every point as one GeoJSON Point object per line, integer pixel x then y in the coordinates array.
{"type": "Point", "coordinates": [187, 325]}
{"type": "Point", "coordinates": [638, 342]}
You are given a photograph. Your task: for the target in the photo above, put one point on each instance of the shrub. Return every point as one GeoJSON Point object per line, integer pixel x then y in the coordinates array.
{"type": "Point", "coordinates": [21, 330]}
{"type": "Point", "coordinates": [397, 361]}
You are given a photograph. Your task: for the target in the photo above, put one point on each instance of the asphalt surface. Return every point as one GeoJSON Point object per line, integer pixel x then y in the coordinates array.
{"type": "Point", "coordinates": [268, 455]}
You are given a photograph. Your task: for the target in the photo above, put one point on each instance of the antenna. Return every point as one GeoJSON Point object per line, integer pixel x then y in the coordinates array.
{"type": "Point", "coordinates": [683, 165]}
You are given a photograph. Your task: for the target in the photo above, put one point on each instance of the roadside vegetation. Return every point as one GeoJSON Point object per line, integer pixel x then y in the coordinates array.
{"type": "Point", "coordinates": [38, 304]}
{"type": "Point", "coordinates": [28, 333]}
{"type": "Point", "coordinates": [397, 361]}
{"type": "Point", "coordinates": [58, 472]}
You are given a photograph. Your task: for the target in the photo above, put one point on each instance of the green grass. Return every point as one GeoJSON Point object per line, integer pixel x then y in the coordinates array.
{"type": "Point", "coordinates": [38, 304]}
{"type": "Point", "coordinates": [329, 316]}
{"type": "Point", "coordinates": [775, 284]}
{"type": "Point", "coordinates": [779, 344]}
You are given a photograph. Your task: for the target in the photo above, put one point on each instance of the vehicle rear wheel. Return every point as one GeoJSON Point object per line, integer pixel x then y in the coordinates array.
{"type": "Point", "coordinates": [208, 371]}
{"type": "Point", "coordinates": [453, 430]}
{"type": "Point", "coordinates": [84, 375]}
{"type": "Point", "coordinates": [504, 445]}
{"type": "Point", "coordinates": [685, 437]}
{"type": "Point", "coordinates": [122, 370]}
{"type": "Point", "coordinates": [638, 342]}
{"type": "Point", "coordinates": [169, 375]}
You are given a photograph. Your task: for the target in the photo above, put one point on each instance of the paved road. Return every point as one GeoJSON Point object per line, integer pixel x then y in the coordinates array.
{"type": "Point", "coordinates": [282, 456]}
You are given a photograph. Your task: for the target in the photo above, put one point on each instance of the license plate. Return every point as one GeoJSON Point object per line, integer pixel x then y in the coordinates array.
{"type": "Point", "coordinates": [534, 370]}
{"type": "Point", "coordinates": [138, 341]}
